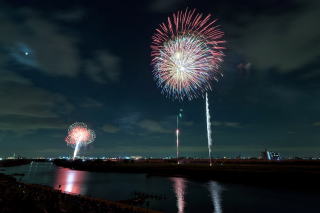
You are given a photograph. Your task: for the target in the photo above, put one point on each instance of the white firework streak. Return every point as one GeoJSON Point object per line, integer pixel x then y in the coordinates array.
{"type": "Point", "coordinates": [208, 128]}
{"type": "Point", "coordinates": [177, 134]}
{"type": "Point", "coordinates": [76, 150]}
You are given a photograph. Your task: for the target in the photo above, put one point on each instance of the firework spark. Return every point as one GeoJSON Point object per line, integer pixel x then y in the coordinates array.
{"type": "Point", "coordinates": [79, 135]}
{"type": "Point", "coordinates": [186, 54]}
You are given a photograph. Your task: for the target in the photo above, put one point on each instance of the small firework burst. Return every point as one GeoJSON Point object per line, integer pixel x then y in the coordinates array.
{"type": "Point", "coordinates": [79, 135]}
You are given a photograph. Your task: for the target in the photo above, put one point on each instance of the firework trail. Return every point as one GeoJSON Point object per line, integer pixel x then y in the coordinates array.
{"type": "Point", "coordinates": [208, 128]}
{"type": "Point", "coordinates": [76, 150]}
{"type": "Point", "coordinates": [186, 54]}
{"type": "Point", "coordinates": [79, 135]}
{"type": "Point", "coordinates": [177, 134]}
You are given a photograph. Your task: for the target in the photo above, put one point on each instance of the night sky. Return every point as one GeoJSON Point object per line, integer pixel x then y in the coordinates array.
{"type": "Point", "coordinates": [89, 61]}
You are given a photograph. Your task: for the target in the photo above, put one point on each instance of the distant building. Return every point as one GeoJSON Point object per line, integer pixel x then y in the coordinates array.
{"type": "Point", "coordinates": [268, 155]}
{"type": "Point", "coordinates": [136, 157]}
{"type": "Point", "coordinates": [12, 157]}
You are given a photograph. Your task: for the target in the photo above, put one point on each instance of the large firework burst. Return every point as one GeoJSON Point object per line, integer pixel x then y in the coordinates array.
{"type": "Point", "coordinates": [79, 135]}
{"type": "Point", "coordinates": [186, 54]}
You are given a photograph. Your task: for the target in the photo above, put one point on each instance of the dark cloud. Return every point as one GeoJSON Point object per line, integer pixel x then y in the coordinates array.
{"type": "Point", "coordinates": [128, 122]}
{"type": "Point", "coordinates": [163, 6]}
{"type": "Point", "coordinates": [153, 126]}
{"type": "Point", "coordinates": [54, 52]}
{"type": "Point", "coordinates": [26, 124]}
{"type": "Point", "coordinates": [26, 107]}
{"type": "Point", "coordinates": [109, 128]}
{"type": "Point", "coordinates": [26, 100]}
{"type": "Point", "coordinates": [188, 123]}
{"type": "Point", "coordinates": [73, 15]}
{"type": "Point", "coordinates": [286, 40]}
{"type": "Point", "coordinates": [103, 67]}
{"type": "Point", "coordinates": [137, 125]}
{"type": "Point", "coordinates": [91, 103]}
{"type": "Point", "coordinates": [8, 77]}
{"type": "Point", "coordinates": [50, 48]}
{"type": "Point", "coordinates": [226, 124]}
{"type": "Point", "coordinates": [316, 123]}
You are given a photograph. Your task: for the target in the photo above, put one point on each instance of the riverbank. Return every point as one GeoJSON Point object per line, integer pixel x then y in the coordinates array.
{"type": "Point", "coordinates": [20, 197]}
{"type": "Point", "coordinates": [14, 162]}
{"type": "Point", "coordinates": [293, 174]}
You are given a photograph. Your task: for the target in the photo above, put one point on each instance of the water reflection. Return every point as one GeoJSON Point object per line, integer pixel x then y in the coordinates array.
{"type": "Point", "coordinates": [215, 191]}
{"type": "Point", "coordinates": [179, 185]}
{"type": "Point", "coordinates": [33, 167]}
{"type": "Point", "coordinates": [70, 181]}
{"type": "Point", "coordinates": [30, 168]}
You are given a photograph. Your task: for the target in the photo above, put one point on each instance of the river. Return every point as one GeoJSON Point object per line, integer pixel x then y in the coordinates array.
{"type": "Point", "coordinates": [172, 194]}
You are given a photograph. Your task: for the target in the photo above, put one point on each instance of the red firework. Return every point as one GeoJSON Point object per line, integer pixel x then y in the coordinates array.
{"type": "Point", "coordinates": [79, 133]}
